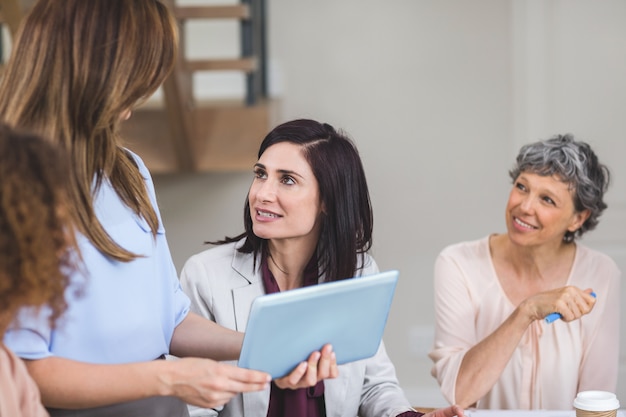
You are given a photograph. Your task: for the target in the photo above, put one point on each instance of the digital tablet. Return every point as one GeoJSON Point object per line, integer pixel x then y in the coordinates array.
{"type": "Point", "coordinates": [284, 328]}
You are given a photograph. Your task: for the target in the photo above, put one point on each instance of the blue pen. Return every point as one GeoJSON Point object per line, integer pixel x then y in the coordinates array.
{"type": "Point", "coordinates": [555, 316]}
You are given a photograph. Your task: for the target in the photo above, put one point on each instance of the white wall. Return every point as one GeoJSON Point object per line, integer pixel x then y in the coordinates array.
{"type": "Point", "coordinates": [438, 95]}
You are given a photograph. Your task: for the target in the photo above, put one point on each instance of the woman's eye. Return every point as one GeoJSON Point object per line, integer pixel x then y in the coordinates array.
{"type": "Point", "coordinates": [259, 173]}
{"type": "Point", "coordinates": [520, 186]}
{"type": "Point", "coordinates": [549, 201]}
{"type": "Point", "coordinates": [288, 180]}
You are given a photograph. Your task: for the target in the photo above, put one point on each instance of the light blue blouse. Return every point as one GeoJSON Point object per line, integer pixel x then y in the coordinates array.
{"type": "Point", "coordinates": [119, 312]}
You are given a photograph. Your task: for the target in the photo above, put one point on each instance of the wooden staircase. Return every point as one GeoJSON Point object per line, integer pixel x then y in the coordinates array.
{"type": "Point", "coordinates": [182, 133]}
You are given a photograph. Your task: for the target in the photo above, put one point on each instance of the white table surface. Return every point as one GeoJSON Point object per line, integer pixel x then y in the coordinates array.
{"type": "Point", "coordinates": [528, 413]}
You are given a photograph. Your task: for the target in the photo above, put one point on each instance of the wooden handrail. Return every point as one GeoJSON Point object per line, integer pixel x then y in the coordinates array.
{"type": "Point", "coordinates": [181, 135]}
{"type": "Point", "coordinates": [240, 11]}
{"type": "Point", "coordinates": [178, 95]}
{"type": "Point", "coordinates": [239, 64]}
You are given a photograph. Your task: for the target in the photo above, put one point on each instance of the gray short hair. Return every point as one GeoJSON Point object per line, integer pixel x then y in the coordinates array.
{"type": "Point", "coordinates": [577, 165]}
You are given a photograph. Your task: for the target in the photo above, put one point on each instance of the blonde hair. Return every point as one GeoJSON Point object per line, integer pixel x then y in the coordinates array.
{"type": "Point", "coordinates": [75, 68]}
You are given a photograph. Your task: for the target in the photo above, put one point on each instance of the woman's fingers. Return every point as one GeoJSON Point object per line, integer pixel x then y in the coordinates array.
{"type": "Point", "coordinates": [320, 365]}
{"type": "Point", "coordinates": [207, 383]}
{"type": "Point", "coordinates": [570, 302]}
{"type": "Point", "coordinates": [327, 367]}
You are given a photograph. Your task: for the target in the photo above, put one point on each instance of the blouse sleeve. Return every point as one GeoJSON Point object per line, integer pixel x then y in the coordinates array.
{"type": "Point", "coordinates": [599, 367]}
{"type": "Point", "coordinates": [455, 331]}
{"type": "Point", "coordinates": [30, 335]}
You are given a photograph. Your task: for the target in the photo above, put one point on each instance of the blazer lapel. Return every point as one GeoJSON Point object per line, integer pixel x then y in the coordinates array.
{"type": "Point", "coordinates": [242, 300]}
{"type": "Point", "coordinates": [335, 391]}
{"type": "Point", "coordinates": [243, 264]}
{"type": "Point", "coordinates": [254, 403]}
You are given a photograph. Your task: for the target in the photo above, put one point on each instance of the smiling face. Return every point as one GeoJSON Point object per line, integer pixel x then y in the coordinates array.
{"type": "Point", "coordinates": [284, 195]}
{"type": "Point", "coordinates": [540, 210]}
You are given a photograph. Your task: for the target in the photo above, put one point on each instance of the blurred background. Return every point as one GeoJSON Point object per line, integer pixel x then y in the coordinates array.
{"type": "Point", "coordinates": [439, 95]}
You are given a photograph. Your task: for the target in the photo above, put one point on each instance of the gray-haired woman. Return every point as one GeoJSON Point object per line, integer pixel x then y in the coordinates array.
{"type": "Point", "coordinates": [493, 348]}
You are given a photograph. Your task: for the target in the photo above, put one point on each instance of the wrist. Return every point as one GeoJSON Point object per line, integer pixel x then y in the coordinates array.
{"type": "Point", "coordinates": [163, 373]}
{"type": "Point", "coordinates": [524, 314]}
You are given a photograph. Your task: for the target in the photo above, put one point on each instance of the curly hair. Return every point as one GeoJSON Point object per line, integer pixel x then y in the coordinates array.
{"type": "Point", "coordinates": [36, 233]}
{"type": "Point", "coordinates": [575, 163]}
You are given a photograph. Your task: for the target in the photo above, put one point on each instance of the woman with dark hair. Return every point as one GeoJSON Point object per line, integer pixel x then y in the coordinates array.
{"type": "Point", "coordinates": [77, 69]}
{"type": "Point", "coordinates": [308, 220]}
{"type": "Point", "coordinates": [493, 348]}
{"type": "Point", "coordinates": [37, 251]}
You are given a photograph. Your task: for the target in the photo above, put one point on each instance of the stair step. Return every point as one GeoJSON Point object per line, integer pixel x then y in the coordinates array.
{"type": "Point", "coordinates": [11, 12]}
{"type": "Point", "coordinates": [226, 136]}
{"type": "Point", "coordinates": [240, 11]}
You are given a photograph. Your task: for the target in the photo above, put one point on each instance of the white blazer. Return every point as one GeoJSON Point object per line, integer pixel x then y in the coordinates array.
{"type": "Point", "coordinates": [222, 283]}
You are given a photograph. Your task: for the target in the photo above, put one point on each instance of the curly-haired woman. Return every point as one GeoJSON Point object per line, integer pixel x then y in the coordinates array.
{"type": "Point", "coordinates": [35, 238]}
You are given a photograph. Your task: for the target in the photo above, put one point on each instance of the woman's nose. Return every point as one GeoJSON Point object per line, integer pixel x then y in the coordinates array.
{"type": "Point", "coordinates": [527, 204]}
{"type": "Point", "coordinates": [266, 191]}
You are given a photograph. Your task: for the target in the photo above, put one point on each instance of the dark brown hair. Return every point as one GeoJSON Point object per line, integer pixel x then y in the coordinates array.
{"type": "Point", "coordinates": [347, 220]}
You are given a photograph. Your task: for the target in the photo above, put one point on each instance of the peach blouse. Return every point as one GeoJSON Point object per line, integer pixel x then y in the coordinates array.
{"type": "Point", "coordinates": [552, 361]}
{"type": "Point", "coordinates": [19, 395]}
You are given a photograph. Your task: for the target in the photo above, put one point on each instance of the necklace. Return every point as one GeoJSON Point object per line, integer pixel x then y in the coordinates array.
{"type": "Point", "coordinates": [275, 264]}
